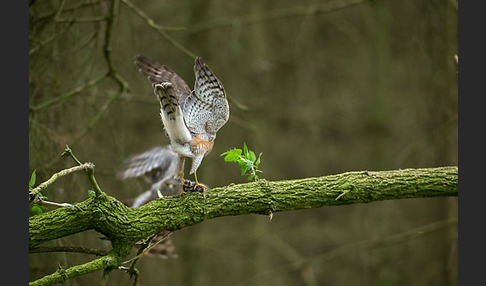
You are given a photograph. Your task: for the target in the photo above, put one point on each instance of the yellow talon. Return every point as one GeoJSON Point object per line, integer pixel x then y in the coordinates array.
{"type": "Point", "coordinates": [201, 185]}
{"type": "Point", "coordinates": [195, 178]}
{"type": "Point", "coordinates": [182, 186]}
{"type": "Point", "coordinates": [197, 184]}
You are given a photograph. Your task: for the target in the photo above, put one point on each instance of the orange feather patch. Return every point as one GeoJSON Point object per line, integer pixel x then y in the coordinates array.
{"type": "Point", "coordinates": [200, 145]}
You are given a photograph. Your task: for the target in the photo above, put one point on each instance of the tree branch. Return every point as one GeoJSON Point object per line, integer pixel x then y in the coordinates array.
{"type": "Point", "coordinates": [69, 94]}
{"type": "Point", "coordinates": [125, 226]}
{"type": "Point", "coordinates": [110, 217]}
{"type": "Point", "coordinates": [34, 194]}
{"type": "Point", "coordinates": [76, 249]}
{"type": "Point", "coordinates": [48, 40]}
{"type": "Point", "coordinates": [160, 29]}
{"type": "Point", "coordinates": [108, 262]}
{"type": "Point", "coordinates": [89, 170]}
{"type": "Point", "coordinates": [347, 248]}
{"type": "Point", "coordinates": [278, 14]}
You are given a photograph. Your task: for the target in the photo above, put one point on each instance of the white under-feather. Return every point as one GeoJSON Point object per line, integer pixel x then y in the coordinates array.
{"type": "Point", "coordinates": [174, 124]}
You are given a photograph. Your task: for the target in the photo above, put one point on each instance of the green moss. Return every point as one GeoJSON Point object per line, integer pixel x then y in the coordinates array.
{"type": "Point", "coordinates": [124, 226]}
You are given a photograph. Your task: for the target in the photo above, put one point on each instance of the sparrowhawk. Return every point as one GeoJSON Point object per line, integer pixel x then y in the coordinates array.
{"type": "Point", "coordinates": [191, 118]}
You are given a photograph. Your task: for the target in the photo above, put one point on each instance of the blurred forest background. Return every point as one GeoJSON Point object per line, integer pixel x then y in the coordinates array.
{"type": "Point", "coordinates": [320, 87]}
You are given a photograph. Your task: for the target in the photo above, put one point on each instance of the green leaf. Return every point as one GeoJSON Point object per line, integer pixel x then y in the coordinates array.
{"type": "Point", "coordinates": [233, 155]}
{"type": "Point", "coordinates": [243, 170]}
{"type": "Point", "coordinates": [257, 162]}
{"type": "Point", "coordinates": [159, 194]}
{"type": "Point", "coordinates": [245, 149]}
{"type": "Point", "coordinates": [242, 163]}
{"type": "Point", "coordinates": [38, 209]}
{"type": "Point", "coordinates": [225, 153]}
{"type": "Point", "coordinates": [252, 156]}
{"type": "Point", "coordinates": [91, 193]}
{"type": "Point", "coordinates": [247, 161]}
{"type": "Point", "coordinates": [32, 179]}
{"type": "Point", "coordinates": [229, 158]}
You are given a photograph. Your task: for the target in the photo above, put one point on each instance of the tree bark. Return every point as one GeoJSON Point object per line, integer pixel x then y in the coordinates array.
{"type": "Point", "coordinates": [124, 226]}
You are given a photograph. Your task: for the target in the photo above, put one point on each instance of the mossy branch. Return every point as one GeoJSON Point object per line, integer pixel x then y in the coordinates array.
{"type": "Point", "coordinates": [108, 216]}
{"type": "Point", "coordinates": [107, 262]}
{"type": "Point", "coordinates": [124, 226]}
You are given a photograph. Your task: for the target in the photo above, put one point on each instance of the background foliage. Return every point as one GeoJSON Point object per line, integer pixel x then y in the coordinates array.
{"type": "Point", "coordinates": [320, 87]}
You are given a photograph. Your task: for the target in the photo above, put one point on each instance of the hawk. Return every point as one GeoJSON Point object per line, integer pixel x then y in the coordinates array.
{"type": "Point", "coordinates": [190, 118]}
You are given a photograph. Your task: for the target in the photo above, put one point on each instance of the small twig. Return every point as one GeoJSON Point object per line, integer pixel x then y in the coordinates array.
{"type": "Point", "coordinates": [81, 20]}
{"type": "Point", "coordinates": [61, 7]}
{"type": "Point", "coordinates": [76, 249]}
{"type": "Point", "coordinates": [278, 14]}
{"type": "Point", "coordinates": [144, 251]}
{"type": "Point", "coordinates": [96, 187]}
{"type": "Point", "coordinates": [108, 33]}
{"type": "Point", "coordinates": [70, 9]}
{"type": "Point", "coordinates": [132, 272]}
{"type": "Point", "coordinates": [68, 152]}
{"type": "Point", "coordinates": [135, 273]}
{"type": "Point", "coordinates": [107, 49]}
{"type": "Point", "coordinates": [144, 245]}
{"type": "Point", "coordinates": [105, 276]}
{"type": "Point", "coordinates": [270, 214]}
{"type": "Point", "coordinates": [54, 204]}
{"type": "Point", "coordinates": [104, 262]}
{"type": "Point", "coordinates": [89, 168]}
{"type": "Point", "coordinates": [69, 94]}
{"type": "Point", "coordinates": [98, 115]}
{"type": "Point", "coordinates": [48, 40]}
{"type": "Point", "coordinates": [96, 118]}
{"type": "Point", "coordinates": [294, 258]}
{"type": "Point", "coordinates": [345, 249]}
{"type": "Point", "coordinates": [160, 29]}
{"type": "Point", "coordinates": [150, 21]}
{"type": "Point", "coordinates": [112, 73]}
{"type": "Point", "coordinates": [34, 194]}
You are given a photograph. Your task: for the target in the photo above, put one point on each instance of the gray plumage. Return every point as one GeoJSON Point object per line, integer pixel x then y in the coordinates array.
{"type": "Point", "coordinates": [157, 166]}
{"type": "Point", "coordinates": [191, 118]}
{"type": "Point", "coordinates": [154, 165]}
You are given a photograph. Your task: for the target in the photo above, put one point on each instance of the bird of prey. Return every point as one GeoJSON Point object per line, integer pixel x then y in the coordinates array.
{"type": "Point", "coordinates": [191, 119]}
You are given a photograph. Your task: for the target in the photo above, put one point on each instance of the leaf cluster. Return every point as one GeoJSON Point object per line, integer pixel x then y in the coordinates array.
{"type": "Point", "coordinates": [246, 159]}
{"type": "Point", "coordinates": [36, 208]}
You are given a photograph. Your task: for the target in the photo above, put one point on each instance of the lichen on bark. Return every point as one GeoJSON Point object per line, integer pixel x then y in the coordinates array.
{"type": "Point", "coordinates": [124, 226]}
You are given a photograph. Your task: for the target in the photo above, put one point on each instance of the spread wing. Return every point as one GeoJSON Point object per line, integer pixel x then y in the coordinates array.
{"type": "Point", "coordinates": [206, 109]}
{"type": "Point", "coordinates": [155, 164]}
{"type": "Point", "coordinates": [158, 73]}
